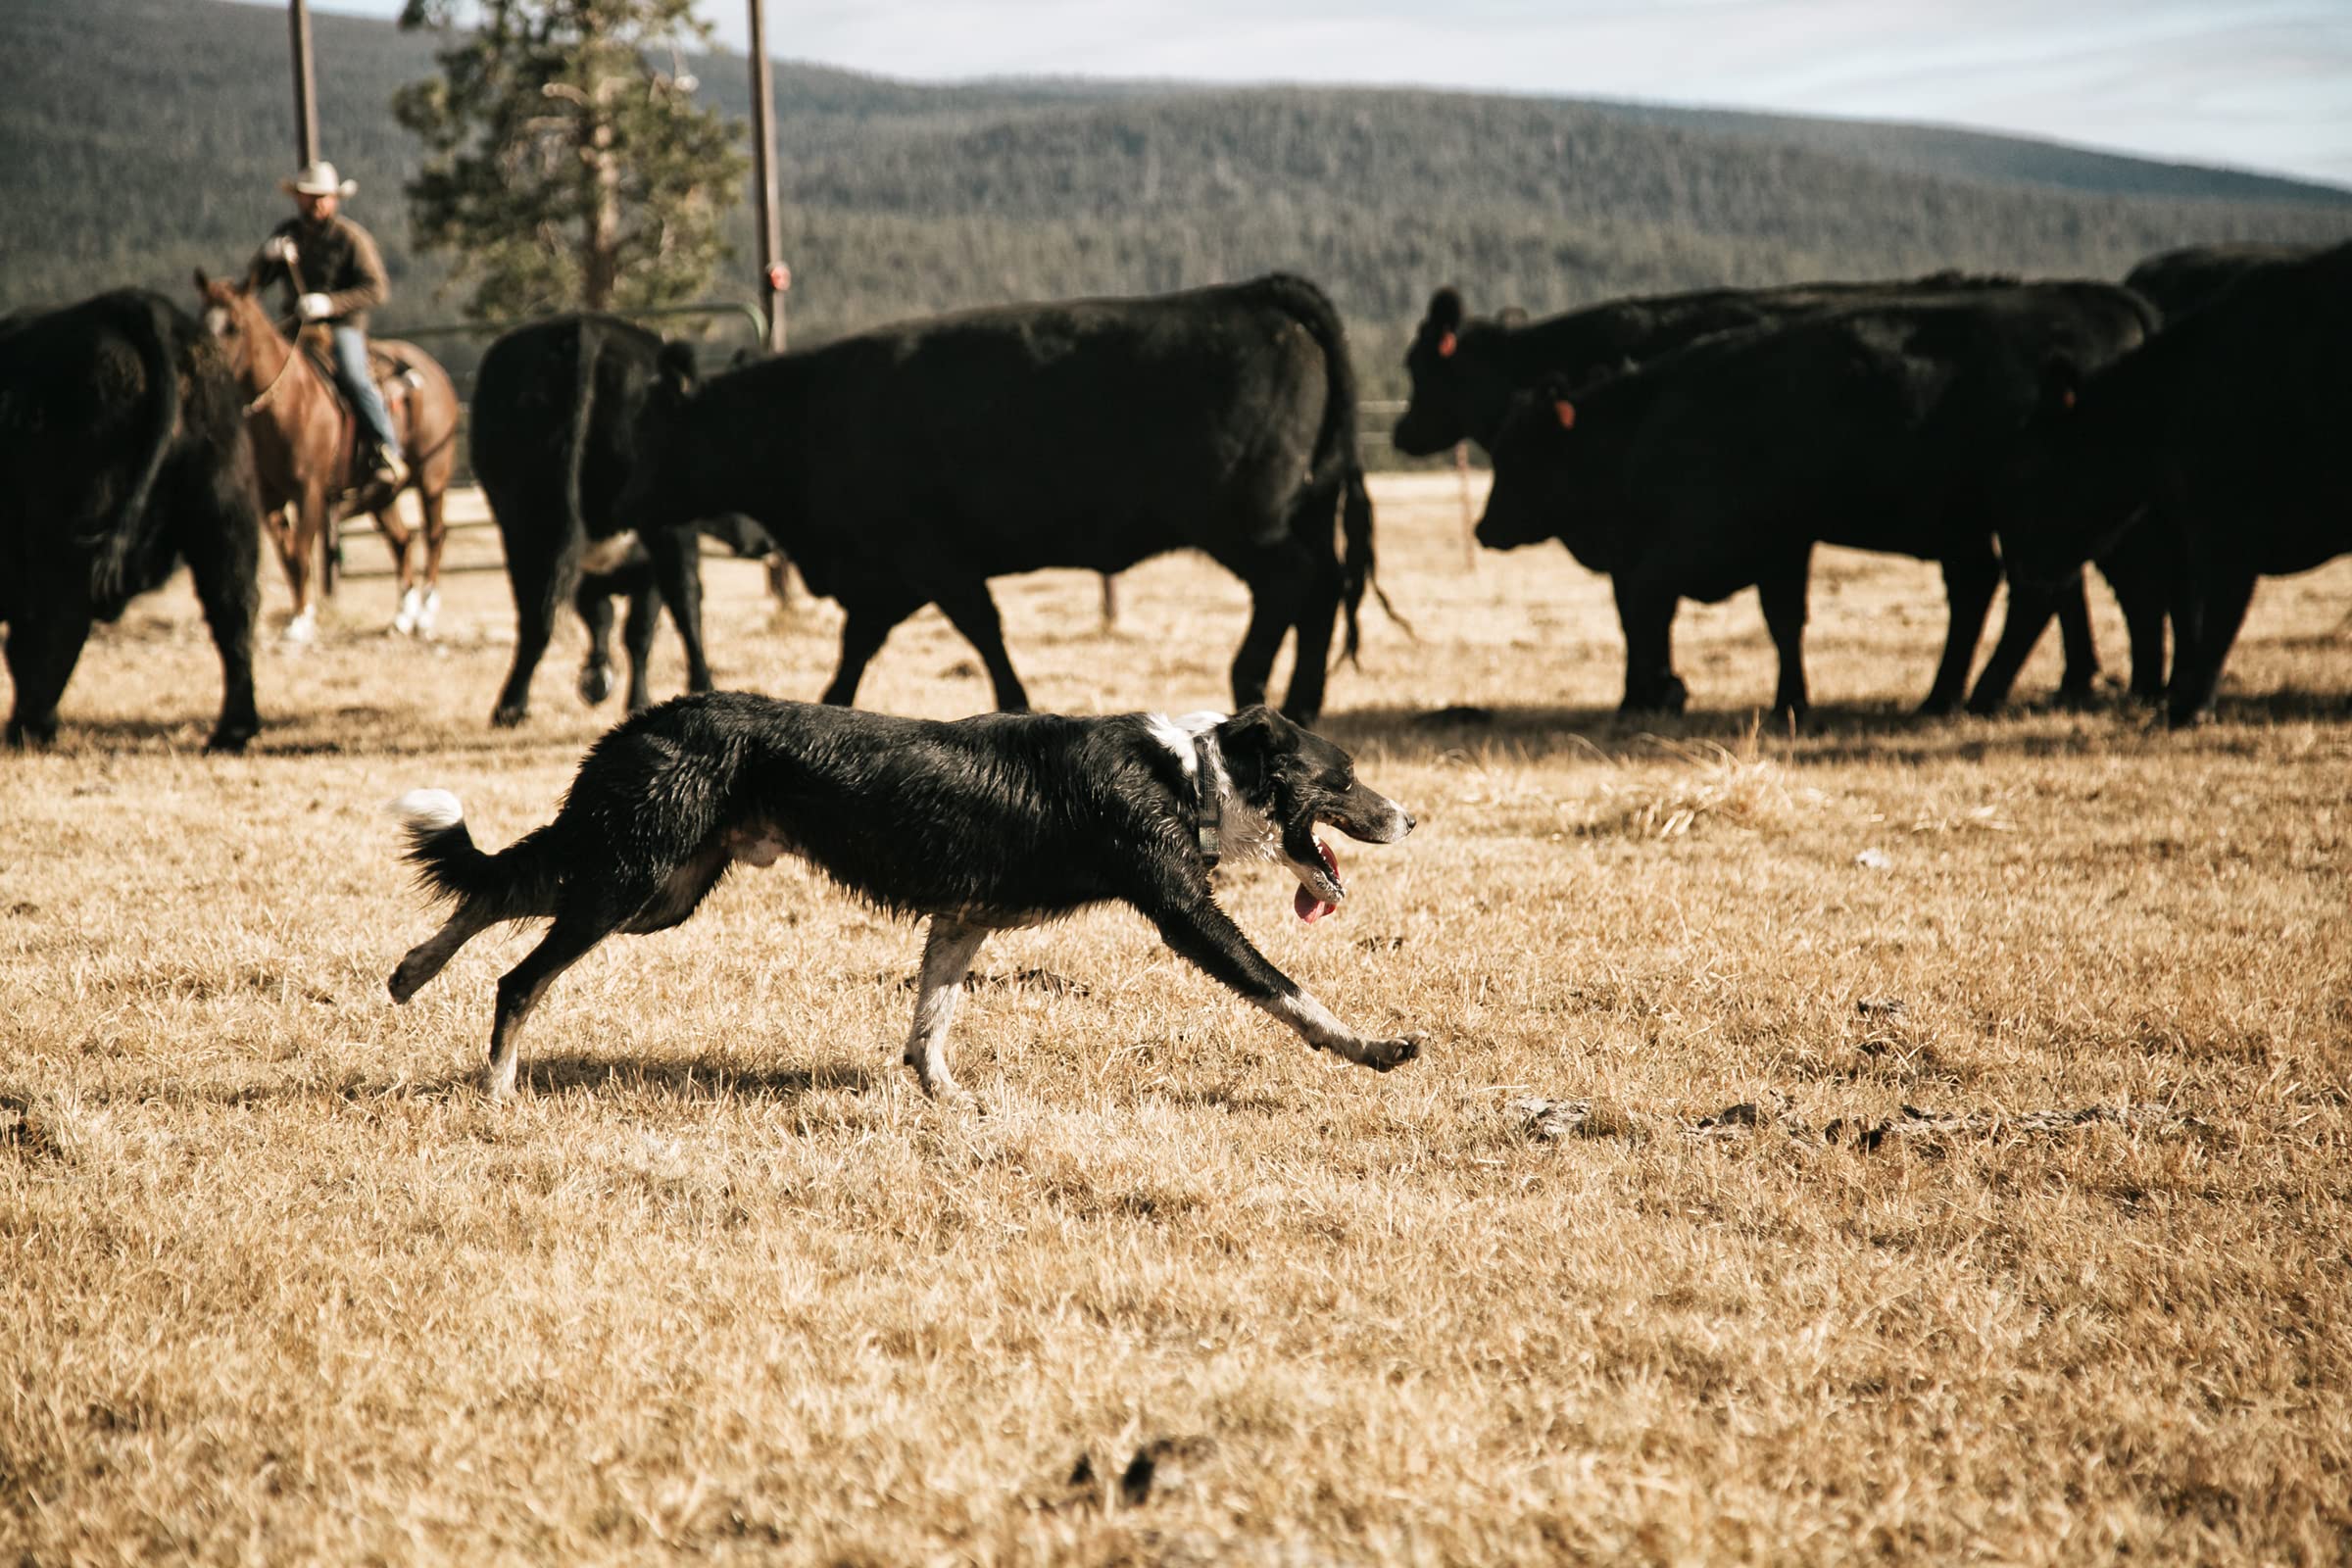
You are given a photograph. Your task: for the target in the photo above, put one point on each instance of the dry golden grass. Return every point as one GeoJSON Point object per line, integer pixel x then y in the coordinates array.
{"type": "Point", "coordinates": [276, 1284]}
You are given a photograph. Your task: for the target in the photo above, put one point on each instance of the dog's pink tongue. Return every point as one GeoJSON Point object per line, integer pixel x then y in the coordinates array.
{"type": "Point", "coordinates": [1311, 908]}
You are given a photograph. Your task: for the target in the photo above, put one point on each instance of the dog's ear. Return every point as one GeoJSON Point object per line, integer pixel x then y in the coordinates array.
{"type": "Point", "coordinates": [1252, 741]}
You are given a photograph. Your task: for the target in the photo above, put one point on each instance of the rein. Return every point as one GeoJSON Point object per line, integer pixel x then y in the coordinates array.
{"type": "Point", "coordinates": [261, 398]}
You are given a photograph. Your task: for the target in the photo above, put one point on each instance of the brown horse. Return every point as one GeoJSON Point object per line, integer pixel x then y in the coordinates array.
{"type": "Point", "coordinates": [303, 448]}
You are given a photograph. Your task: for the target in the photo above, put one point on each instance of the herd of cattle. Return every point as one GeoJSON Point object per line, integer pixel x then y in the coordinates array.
{"type": "Point", "coordinates": [2185, 430]}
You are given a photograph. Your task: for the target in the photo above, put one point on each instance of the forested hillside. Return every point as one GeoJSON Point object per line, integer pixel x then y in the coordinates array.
{"type": "Point", "coordinates": [145, 137]}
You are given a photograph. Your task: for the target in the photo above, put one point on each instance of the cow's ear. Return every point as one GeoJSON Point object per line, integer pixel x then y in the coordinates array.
{"type": "Point", "coordinates": [677, 369]}
{"type": "Point", "coordinates": [1446, 310]}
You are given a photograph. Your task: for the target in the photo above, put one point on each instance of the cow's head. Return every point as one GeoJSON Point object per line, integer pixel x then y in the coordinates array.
{"type": "Point", "coordinates": [660, 491]}
{"type": "Point", "coordinates": [1537, 453]}
{"type": "Point", "coordinates": [2067, 488]}
{"type": "Point", "coordinates": [1433, 418]}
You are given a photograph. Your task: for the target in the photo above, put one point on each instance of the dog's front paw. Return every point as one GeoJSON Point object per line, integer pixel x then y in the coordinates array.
{"type": "Point", "coordinates": [1382, 1055]}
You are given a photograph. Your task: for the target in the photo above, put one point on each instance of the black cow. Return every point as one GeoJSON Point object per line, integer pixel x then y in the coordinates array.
{"type": "Point", "coordinates": [1722, 463]}
{"type": "Point", "coordinates": [122, 453]}
{"type": "Point", "coordinates": [2229, 429]}
{"type": "Point", "coordinates": [908, 465]}
{"type": "Point", "coordinates": [1465, 371]}
{"type": "Point", "coordinates": [554, 431]}
{"type": "Point", "coordinates": [2151, 578]}
{"type": "Point", "coordinates": [2179, 282]}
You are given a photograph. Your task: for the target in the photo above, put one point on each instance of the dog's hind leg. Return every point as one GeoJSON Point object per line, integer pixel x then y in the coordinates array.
{"type": "Point", "coordinates": [566, 942]}
{"type": "Point", "coordinates": [431, 955]}
{"type": "Point", "coordinates": [948, 951]}
{"type": "Point", "coordinates": [1196, 929]}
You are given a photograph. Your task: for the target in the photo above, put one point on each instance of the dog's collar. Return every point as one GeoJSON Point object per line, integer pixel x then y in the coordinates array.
{"type": "Point", "coordinates": [1208, 821]}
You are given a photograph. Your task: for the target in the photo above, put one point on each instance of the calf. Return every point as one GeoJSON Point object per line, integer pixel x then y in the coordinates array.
{"type": "Point", "coordinates": [553, 432]}
{"type": "Point", "coordinates": [2230, 425]}
{"type": "Point", "coordinates": [1721, 465]}
{"type": "Point", "coordinates": [910, 464]}
{"type": "Point", "coordinates": [122, 453]}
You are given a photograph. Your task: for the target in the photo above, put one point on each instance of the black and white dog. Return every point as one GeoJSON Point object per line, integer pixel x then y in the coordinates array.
{"type": "Point", "coordinates": [984, 824]}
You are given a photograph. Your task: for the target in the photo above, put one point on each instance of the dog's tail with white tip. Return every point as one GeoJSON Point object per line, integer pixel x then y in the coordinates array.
{"type": "Point", "coordinates": [514, 884]}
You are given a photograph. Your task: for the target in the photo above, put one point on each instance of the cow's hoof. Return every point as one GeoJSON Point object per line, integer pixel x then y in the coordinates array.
{"type": "Point", "coordinates": [596, 683]}
{"type": "Point", "coordinates": [2078, 698]}
{"type": "Point", "coordinates": [2187, 718]}
{"type": "Point", "coordinates": [38, 735]}
{"type": "Point", "coordinates": [230, 738]}
{"type": "Point", "coordinates": [506, 715]}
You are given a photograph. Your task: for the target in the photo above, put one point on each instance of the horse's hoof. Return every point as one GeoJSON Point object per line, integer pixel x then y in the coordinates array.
{"type": "Point", "coordinates": [301, 631]}
{"type": "Point", "coordinates": [428, 612]}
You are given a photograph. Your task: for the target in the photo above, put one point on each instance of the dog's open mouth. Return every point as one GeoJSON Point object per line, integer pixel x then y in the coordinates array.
{"type": "Point", "coordinates": [1311, 901]}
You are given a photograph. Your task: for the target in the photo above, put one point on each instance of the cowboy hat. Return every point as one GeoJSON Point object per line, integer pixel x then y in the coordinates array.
{"type": "Point", "coordinates": [318, 179]}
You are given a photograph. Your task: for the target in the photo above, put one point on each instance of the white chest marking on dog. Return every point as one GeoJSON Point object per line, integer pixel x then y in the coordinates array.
{"type": "Point", "coordinates": [1244, 833]}
{"type": "Point", "coordinates": [609, 554]}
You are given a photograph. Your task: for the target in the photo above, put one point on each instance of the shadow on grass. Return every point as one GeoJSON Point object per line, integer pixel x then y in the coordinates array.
{"type": "Point", "coordinates": [671, 1077]}
{"type": "Point", "coordinates": [1832, 733]}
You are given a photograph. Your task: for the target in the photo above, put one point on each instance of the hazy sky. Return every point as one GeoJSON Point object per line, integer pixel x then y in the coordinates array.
{"type": "Point", "coordinates": [2252, 83]}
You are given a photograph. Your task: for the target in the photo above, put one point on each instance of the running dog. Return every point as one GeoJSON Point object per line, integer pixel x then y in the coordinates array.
{"type": "Point", "coordinates": [985, 824]}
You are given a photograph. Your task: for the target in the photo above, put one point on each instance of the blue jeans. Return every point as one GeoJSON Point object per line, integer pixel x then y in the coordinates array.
{"type": "Point", "coordinates": [359, 384]}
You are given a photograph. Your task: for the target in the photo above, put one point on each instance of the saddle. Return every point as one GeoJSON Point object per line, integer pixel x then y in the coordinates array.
{"type": "Point", "coordinates": [393, 380]}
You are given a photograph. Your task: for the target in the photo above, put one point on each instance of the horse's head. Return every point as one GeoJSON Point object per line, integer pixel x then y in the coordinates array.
{"type": "Point", "coordinates": [233, 317]}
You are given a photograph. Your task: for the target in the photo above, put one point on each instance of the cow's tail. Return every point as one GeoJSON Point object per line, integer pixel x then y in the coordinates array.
{"type": "Point", "coordinates": [114, 539]}
{"type": "Point", "coordinates": [517, 883]}
{"type": "Point", "coordinates": [1335, 464]}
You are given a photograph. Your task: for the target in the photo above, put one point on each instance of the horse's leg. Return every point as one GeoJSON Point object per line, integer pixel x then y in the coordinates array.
{"type": "Point", "coordinates": [396, 535]}
{"type": "Point", "coordinates": [429, 499]}
{"type": "Point", "coordinates": [309, 526]}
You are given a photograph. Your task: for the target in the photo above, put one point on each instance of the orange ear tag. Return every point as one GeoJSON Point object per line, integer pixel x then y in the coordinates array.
{"type": "Point", "coordinates": [1566, 412]}
{"type": "Point", "coordinates": [1445, 347]}
{"type": "Point", "coordinates": [2068, 397]}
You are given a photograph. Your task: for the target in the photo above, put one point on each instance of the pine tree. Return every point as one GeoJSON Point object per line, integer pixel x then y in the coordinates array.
{"type": "Point", "coordinates": [565, 169]}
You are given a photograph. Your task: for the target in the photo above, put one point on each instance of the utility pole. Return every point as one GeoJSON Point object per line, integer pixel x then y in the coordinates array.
{"type": "Point", "coordinates": [774, 277]}
{"type": "Point", "coordinates": [306, 87]}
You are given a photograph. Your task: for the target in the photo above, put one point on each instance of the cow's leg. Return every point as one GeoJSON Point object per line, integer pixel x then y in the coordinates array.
{"type": "Point", "coordinates": [678, 573]}
{"type": "Point", "coordinates": [219, 542]}
{"type": "Point", "coordinates": [973, 613]}
{"type": "Point", "coordinates": [948, 950]}
{"type": "Point", "coordinates": [1969, 577]}
{"type": "Point", "coordinates": [1318, 614]}
{"type": "Point", "coordinates": [871, 610]}
{"type": "Point", "coordinates": [42, 650]}
{"type": "Point", "coordinates": [593, 599]}
{"type": "Point", "coordinates": [543, 556]}
{"type": "Point", "coordinates": [2078, 682]}
{"type": "Point", "coordinates": [1645, 615]}
{"type": "Point", "coordinates": [1191, 924]}
{"type": "Point", "coordinates": [1277, 580]}
{"type": "Point", "coordinates": [2139, 569]}
{"type": "Point", "coordinates": [2197, 657]}
{"type": "Point", "coordinates": [1781, 586]}
{"type": "Point", "coordinates": [2030, 611]}
{"type": "Point", "coordinates": [637, 636]}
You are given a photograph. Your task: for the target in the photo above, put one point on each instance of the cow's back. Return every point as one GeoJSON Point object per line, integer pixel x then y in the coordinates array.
{"type": "Point", "coordinates": [1083, 433]}
{"type": "Point", "coordinates": [554, 413]}
{"type": "Point", "coordinates": [2187, 279]}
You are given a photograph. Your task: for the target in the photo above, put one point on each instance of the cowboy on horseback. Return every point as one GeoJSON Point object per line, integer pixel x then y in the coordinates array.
{"type": "Point", "coordinates": [335, 276]}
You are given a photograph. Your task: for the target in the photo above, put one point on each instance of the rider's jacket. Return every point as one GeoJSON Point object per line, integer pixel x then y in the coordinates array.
{"type": "Point", "coordinates": [337, 258]}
